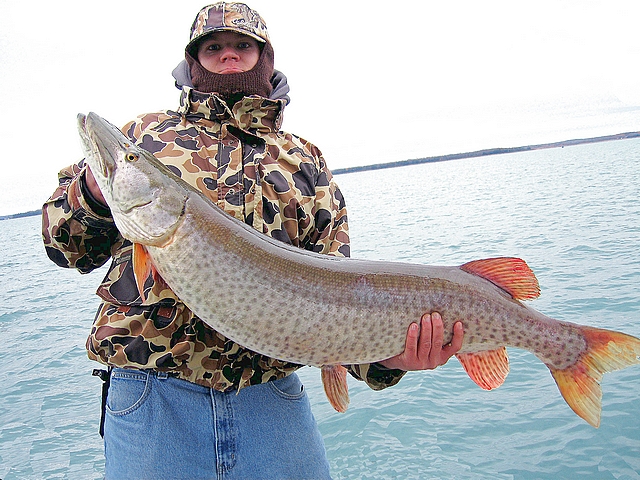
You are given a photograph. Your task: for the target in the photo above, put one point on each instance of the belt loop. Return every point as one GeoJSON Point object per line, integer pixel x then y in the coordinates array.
{"type": "Point", "coordinates": [162, 375]}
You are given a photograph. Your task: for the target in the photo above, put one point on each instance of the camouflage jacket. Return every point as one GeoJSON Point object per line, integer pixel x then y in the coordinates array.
{"type": "Point", "coordinates": [274, 181]}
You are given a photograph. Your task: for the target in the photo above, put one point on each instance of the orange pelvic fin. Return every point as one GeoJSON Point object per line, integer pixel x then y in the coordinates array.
{"type": "Point", "coordinates": [513, 275]}
{"type": "Point", "coordinates": [334, 380]}
{"type": "Point", "coordinates": [488, 368]}
{"type": "Point", "coordinates": [579, 384]}
{"type": "Point", "coordinates": [142, 267]}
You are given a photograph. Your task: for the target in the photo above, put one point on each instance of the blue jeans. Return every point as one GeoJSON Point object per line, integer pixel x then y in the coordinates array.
{"type": "Point", "coordinates": [159, 427]}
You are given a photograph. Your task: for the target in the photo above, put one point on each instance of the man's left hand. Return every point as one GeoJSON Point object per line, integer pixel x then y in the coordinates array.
{"type": "Point", "coordinates": [423, 348]}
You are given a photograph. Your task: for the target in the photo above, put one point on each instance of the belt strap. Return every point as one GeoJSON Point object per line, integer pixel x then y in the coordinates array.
{"type": "Point", "coordinates": [105, 376]}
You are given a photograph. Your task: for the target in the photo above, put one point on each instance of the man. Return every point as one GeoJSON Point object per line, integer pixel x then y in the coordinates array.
{"type": "Point", "coordinates": [184, 401]}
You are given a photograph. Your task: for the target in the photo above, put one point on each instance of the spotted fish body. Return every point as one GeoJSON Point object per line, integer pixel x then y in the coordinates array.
{"type": "Point", "coordinates": [325, 311]}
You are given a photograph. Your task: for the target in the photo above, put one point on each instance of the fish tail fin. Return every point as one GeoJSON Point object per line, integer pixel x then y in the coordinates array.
{"type": "Point", "coordinates": [579, 384]}
{"type": "Point", "coordinates": [334, 380]}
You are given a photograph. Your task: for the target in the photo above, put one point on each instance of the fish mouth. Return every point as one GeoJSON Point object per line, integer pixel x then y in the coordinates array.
{"type": "Point", "coordinates": [97, 137]}
{"type": "Point", "coordinates": [88, 145]}
{"type": "Point", "coordinates": [130, 208]}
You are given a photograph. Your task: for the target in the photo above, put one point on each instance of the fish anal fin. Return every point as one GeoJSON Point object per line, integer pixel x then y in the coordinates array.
{"type": "Point", "coordinates": [579, 384]}
{"type": "Point", "coordinates": [334, 380]}
{"type": "Point", "coordinates": [488, 368]}
{"type": "Point", "coordinates": [511, 274]}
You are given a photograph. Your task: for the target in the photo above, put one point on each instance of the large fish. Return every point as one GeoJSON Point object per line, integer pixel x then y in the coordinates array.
{"type": "Point", "coordinates": [325, 311]}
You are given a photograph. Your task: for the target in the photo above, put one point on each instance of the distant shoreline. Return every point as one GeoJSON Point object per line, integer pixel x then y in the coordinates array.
{"type": "Point", "coordinates": [440, 158]}
{"type": "Point", "coordinates": [20, 215]}
{"type": "Point", "coordinates": [485, 152]}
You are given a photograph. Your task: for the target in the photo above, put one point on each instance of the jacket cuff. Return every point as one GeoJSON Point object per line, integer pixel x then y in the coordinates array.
{"type": "Point", "coordinates": [85, 207]}
{"type": "Point", "coordinates": [375, 375]}
{"type": "Point", "coordinates": [94, 204]}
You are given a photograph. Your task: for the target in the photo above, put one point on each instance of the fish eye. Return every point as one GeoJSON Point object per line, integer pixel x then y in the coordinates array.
{"type": "Point", "coordinates": [130, 157]}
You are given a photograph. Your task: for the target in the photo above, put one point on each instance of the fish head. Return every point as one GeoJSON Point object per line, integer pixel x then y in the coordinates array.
{"type": "Point", "coordinates": [146, 203]}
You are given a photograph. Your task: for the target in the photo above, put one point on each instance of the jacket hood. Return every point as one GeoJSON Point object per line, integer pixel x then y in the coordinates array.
{"type": "Point", "coordinates": [182, 76]}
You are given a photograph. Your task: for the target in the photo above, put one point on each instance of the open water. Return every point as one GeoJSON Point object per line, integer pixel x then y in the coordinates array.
{"type": "Point", "coordinates": [572, 213]}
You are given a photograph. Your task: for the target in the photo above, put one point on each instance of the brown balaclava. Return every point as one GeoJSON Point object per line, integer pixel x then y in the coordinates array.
{"type": "Point", "coordinates": [233, 86]}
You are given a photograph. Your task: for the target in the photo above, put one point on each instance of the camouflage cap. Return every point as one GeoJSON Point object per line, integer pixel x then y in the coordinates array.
{"type": "Point", "coordinates": [235, 17]}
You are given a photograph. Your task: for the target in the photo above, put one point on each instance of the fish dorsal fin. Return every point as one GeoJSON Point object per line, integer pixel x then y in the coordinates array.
{"type": "Point", "coordinates": [488, 368]}
{"type": "Point", "coordinates": [512, 275]}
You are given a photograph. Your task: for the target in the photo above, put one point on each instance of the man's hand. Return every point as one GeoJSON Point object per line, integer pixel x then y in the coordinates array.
{"type": "Point", "coordinates": [423, 348]}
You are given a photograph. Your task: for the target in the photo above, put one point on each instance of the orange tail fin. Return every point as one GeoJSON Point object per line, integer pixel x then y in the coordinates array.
{"type": "Point", "coordinates": [579, 384]}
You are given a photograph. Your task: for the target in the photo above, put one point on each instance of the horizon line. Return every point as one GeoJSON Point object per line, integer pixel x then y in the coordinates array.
{"type": "Point", "coordinates": [485, 152]}
{"type": "Point", "coordinates": [439, 158]}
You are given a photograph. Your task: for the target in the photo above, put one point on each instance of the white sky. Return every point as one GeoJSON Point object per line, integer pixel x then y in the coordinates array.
{"type": "Point", "coordinates": [370, 81]}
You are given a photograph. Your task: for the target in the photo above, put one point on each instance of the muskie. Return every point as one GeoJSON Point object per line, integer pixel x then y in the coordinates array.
{"type": "Point", "coordinates": [325, 311]}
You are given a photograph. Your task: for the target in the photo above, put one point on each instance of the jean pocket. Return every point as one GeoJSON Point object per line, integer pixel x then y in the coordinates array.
{"type": "Point", "coordinates": [289, 387]}
{"type": "Point", "coordinates": [127, 391]}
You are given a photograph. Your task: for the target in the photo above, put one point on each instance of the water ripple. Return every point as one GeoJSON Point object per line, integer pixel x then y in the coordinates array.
{"type": "Point", "coordinates": [573, 214]}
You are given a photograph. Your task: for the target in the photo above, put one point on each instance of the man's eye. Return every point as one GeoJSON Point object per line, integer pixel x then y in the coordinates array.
{"type": "Point", "coordinates": [244, 45]}
{"type": "Point", "coordinates": [213, 47]}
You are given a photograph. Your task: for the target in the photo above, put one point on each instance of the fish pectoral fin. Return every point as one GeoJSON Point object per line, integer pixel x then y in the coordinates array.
{"type": "Point", "coordinates": [512, 275]}
{"type": "Point", "coordinates": [334, 380]}
{"type": "Point", "coordinates": [158, 279]}
{"type": "Point", "coordinates": [488, 368]}
{"type": "Point", "coordinates": [142, 267]}
{"type": "Point", "coordinates": [579, 384]}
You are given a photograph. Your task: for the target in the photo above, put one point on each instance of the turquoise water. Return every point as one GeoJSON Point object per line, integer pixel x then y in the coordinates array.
{"type": "Point", "coordinates": [573, 214]}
